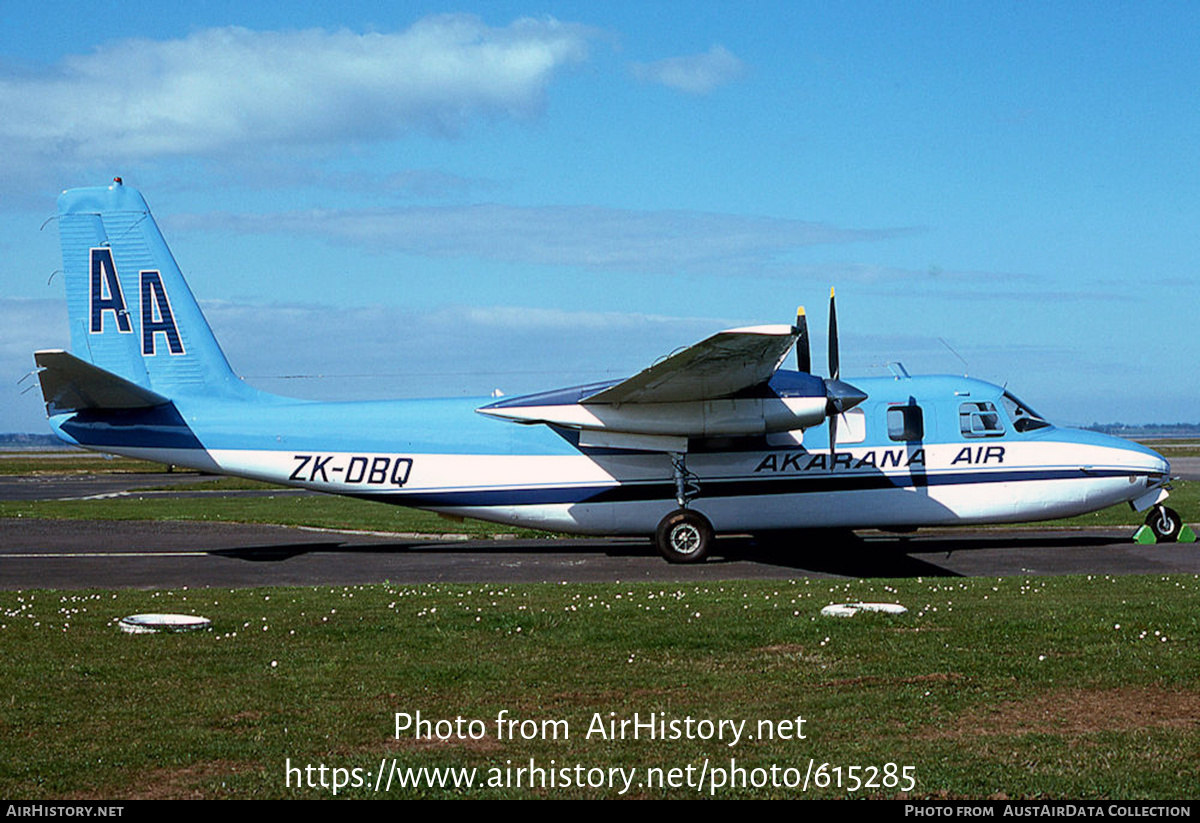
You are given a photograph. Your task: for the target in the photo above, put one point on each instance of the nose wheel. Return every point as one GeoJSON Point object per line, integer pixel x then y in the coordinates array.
{"type": "Point", "coordinates": [1165, 523]}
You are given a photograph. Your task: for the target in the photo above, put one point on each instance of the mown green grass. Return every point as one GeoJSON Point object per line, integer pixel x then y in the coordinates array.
{"type": "Point", "coordinates": [1079, 687]}
{"type": "Point", "coordinates": [72, 462]}
{"type": "Point", "coordinates": [320, 511]}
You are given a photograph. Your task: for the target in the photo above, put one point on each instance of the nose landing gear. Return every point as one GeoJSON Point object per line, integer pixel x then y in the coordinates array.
{"type": "Point", "coordinates": [1164, 525]}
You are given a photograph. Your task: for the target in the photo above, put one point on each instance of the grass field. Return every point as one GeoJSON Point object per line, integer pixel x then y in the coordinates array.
{"type": "Point", "coordinates": [319, 511]}
{"type": "Point", "coordinates": [1058, 687]}
{"type": "Point", "coordinates": [71, 462]}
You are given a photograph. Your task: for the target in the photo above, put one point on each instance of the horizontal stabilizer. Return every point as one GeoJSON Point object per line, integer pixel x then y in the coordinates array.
{"type": "Point", "coordinates": [70, 384]}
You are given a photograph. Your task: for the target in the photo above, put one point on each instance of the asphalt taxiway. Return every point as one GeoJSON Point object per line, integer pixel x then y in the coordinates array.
{"type": "Point", "coordinates": [82, 554]}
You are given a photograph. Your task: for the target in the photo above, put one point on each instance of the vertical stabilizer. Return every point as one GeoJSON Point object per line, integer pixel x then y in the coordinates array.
{"type": "Point", "coordinates": [131, 311]}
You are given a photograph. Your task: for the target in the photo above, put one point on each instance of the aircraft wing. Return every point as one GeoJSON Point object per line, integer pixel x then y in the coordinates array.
{"type": "Point", "coordinates": [699, 392]}
{"type": "Point", "coordinates": [720, 366]}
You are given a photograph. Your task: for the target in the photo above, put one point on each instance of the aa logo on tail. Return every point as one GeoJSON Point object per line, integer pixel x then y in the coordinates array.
{"type": "Point", "coordinates": [106, 295]}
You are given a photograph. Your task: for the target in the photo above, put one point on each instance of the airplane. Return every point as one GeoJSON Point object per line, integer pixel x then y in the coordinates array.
{"type": "Point", "coordinates": [718, 438]}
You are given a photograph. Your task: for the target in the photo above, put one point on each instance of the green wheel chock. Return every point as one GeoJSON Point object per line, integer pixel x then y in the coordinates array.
{"type": "Point", "coordinates": [1186, 535]}
{"type": "Point", "coordinates": [1145, 536]}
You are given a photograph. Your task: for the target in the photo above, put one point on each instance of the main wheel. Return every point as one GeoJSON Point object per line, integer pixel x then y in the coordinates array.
{"type": "Point", "coordinates": [684, 536]}
{"type": "Point", "coordinates": [1165, 523]}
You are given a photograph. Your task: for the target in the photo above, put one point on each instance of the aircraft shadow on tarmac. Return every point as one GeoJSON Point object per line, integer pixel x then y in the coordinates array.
{"type": "Point", "coordinates": [852, 555]}
{"type": "Point", "coordinates": [275, 554]}
{"type": "Point", "coordinates": [845, 555]}
{"type": "Point", "coordinates": [842, 554]}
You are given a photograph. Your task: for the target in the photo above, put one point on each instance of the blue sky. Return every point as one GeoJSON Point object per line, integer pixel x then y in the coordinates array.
{"type": "Point", "coordinates": [425, 199]}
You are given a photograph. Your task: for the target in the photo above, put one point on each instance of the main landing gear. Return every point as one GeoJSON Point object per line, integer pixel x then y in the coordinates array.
{"type": "Point", "coordinates": [684, 535]}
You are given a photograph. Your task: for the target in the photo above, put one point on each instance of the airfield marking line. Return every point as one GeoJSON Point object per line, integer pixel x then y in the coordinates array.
{"type": "Point", "coordinates": [184, 491]}
{"type": "Point", "coordinates": [455, 537]}
{"type": "Point", "coordinates": [132, 555]}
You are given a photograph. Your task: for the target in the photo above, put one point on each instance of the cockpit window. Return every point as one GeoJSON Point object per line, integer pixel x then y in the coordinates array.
{"type": "Point", "coordinates": [1023, 418]}
{"type": "Point", "coordinates": [980, 419]}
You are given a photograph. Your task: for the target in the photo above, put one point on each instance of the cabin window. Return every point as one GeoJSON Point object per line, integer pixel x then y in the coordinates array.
{"type": "Point", "coordinates": [905, 423]}
{"type": "Point", "coordinates": [980, 420]}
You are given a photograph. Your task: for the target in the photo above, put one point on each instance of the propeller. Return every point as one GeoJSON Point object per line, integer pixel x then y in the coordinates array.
{"type": "Point", "coordinates": [840, 396]}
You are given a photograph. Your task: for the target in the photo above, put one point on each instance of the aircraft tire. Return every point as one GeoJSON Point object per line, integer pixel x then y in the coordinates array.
{"type": "Point", "coordinates": [1165, 523]}
{"type": "Point", "coordinates": [684, 536]}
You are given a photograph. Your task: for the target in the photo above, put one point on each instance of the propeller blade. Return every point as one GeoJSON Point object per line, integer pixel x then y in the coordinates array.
{"type": "Point", "coordinates": [840, 397]}
{"type": "Point", "coordinates": [803, 355]}
{"type": "Point", "coordinates": [834, 365]}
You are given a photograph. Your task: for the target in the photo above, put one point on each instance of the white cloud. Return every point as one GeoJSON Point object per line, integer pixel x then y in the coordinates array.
{"type": "Point", "coordinates": [695, 73]}
{"type": "Point", "coordinates": [233, 89]}
{"type": "Point", "coordinates": [580, 236]}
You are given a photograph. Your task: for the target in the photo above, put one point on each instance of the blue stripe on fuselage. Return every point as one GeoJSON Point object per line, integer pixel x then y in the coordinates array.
{"type": "Point", "coordinates": [160, 427]}
{"type": "Point", "coordinates": [732, 487]}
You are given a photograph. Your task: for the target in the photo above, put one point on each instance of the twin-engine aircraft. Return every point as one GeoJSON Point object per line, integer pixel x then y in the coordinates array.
{"type": "Point", "coordinates": [715, 439]}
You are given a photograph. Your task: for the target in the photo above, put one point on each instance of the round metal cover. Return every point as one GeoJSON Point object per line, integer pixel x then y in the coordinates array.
{"type": "Point", "coordinates": [146, 623]}
{"type": "Point", "coordinates": [886, 608]}
{"type": "Point", "coordinates": [851, 609]}
{"type": "Point", "coordinates": [839, 610]}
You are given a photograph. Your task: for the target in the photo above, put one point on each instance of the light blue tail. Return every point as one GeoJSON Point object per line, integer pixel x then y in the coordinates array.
{"type": "Point", "coordinates": [131, 312]}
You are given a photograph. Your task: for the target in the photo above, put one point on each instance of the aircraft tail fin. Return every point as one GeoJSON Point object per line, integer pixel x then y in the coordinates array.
{"type": "Point", "coordinates": [132, 314]}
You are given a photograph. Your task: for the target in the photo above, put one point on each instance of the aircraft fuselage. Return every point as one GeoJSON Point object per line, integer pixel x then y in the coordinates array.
{"type": "Point", "coordinates": [442, 456]}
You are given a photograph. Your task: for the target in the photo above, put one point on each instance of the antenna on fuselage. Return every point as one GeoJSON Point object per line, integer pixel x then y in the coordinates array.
{"type": "Point", "coordinates": [966, 368]}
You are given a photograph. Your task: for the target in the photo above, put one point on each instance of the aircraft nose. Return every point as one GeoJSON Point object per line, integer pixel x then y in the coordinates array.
{"type": "Point", "coordinates": [1148, 460]}
{"type": "Point", "coordinates": [1164, 465]}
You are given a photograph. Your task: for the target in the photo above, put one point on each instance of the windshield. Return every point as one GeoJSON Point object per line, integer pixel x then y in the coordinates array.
{"type": "Point", "coordinates": [1023, 418]}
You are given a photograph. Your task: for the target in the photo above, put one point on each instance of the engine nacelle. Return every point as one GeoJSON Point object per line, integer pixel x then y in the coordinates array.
{"type": "Point", "coordinates": [725, 417]}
